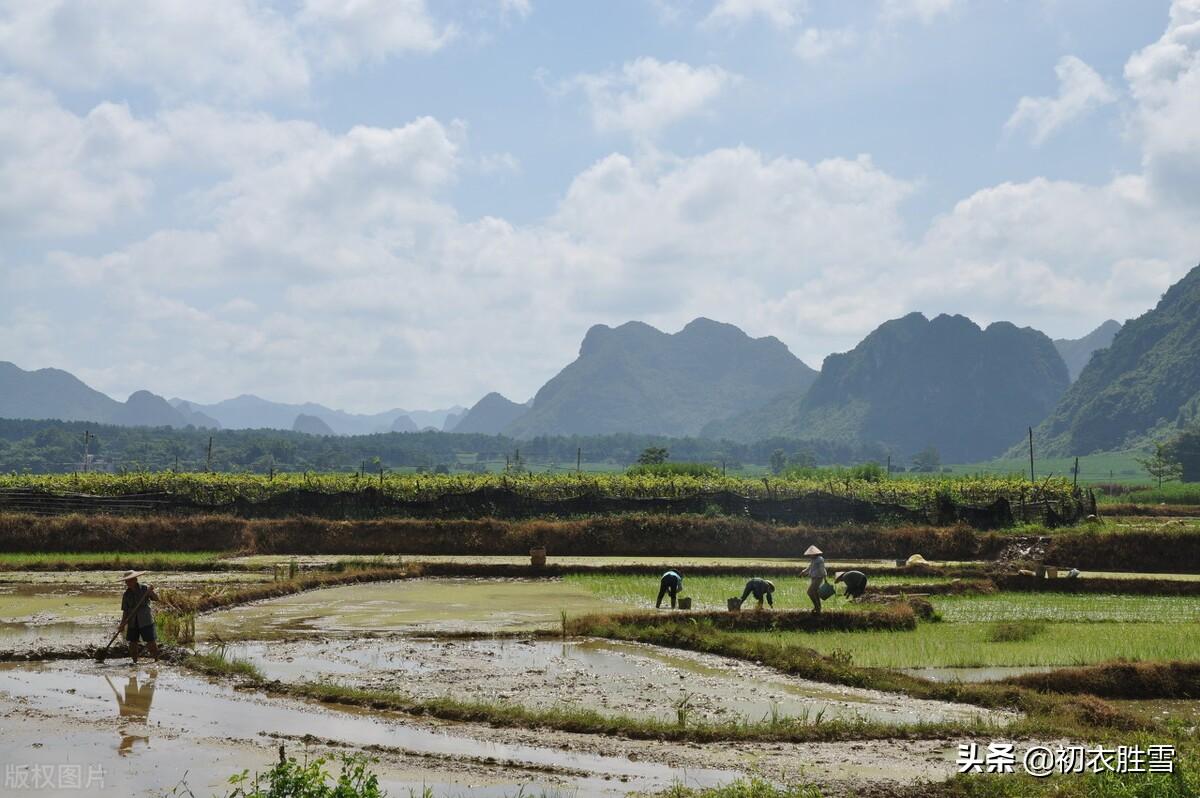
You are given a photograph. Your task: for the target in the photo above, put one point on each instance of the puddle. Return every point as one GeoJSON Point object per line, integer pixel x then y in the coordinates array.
{"type": "Point", "coordinates": [483, 605]}
{"type": "Point", "coordinates": [151, 709]}
{"type": "Point", "coordinates": [39, 610]}
{"type": "Point", "coordinates": [1183, 711]}
{"type": "Point", "coordinates": [978, 674]}
{"type": "Point", "coordinates": [608, 677]}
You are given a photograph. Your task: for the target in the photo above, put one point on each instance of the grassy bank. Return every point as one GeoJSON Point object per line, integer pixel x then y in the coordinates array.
{"type": "Point", "coordinates": [115, 561]}
{"type": "Point", "coordinates": [1136, 680]}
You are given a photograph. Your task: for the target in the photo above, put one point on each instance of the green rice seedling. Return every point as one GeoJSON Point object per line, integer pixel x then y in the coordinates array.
{"type": "Point", "coordinates": [1014, 631]}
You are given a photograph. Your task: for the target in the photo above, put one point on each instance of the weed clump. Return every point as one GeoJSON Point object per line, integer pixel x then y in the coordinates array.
{"type": "Point", "coordinates": [1014, 631]}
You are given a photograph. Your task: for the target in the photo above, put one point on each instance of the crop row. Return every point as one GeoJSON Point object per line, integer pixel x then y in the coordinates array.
{"type": "Point", "coordinates": [220, 488]}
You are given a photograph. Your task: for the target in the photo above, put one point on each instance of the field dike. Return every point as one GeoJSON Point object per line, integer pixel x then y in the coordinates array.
{"type": "Point", "coordinates": [1133, 680]}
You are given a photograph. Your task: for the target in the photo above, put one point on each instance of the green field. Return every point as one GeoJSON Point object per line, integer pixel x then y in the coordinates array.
{"type": "Point", "coordinates": [710, 591]}
{"type": "Point", "coordinates": [158, 560]}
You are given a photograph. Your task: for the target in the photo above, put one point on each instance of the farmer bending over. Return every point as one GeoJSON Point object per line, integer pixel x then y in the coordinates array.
{"type": "Point", "coordinates": [671, 583]}
{"type": "Point", "coordinates": [761, 588]}
{"type": "Point", "coordinates": [816, 574]}
{"type": "Point", "coordinates": [855, 581]}
{"type": "Point", "coordinates": [137, 619]}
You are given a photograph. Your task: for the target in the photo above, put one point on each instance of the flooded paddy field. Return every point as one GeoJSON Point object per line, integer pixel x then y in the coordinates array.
{"type": "Point", "coordinates": [490, 640]}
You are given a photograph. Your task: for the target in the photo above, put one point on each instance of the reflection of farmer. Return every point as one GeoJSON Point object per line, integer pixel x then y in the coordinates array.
{"type": "Point", "coordinates": [816, 574]}
{"type": "Point", "coordinates": [855, 581]}
{"type": "Point", "coordinates": [137, 620]}
{"type": "Point", "coordinates": [760, 588]}
{"type": "Point", "coordinates": [671, 583]}
{"type": "Point", "coordinates": [133, 708]}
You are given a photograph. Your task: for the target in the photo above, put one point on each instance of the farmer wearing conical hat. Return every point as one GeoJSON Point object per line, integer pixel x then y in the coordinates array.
{"type": "Point", "coordinates": [816, 574]}
{"type": "Point", "coordinates": [137, 619]}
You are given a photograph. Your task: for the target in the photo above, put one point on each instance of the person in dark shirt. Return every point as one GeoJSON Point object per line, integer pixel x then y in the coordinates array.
{"type": "Point", "coordinates": [855, 581]}
{"type": "Point", "coordinates": [671, 583]}
{"type": "Point", "coordinates": [760, 589]}
{"type": "Point", "coordinates": [137, 619]}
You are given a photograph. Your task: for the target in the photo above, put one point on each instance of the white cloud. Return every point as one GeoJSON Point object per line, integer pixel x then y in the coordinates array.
{"type": "Point", "coordinates": [235, 49]}
{"type": "Point", "coordinates": [780, 13]}
{"type": "Point", "coordinates": [1081, 90]}
{"type": "Point", "coordinates": [817, 44]}
{"type": "Point", "coordinates": [62, 173]}
{"type": "Point", "coordinates": [344, 33]}
{"type": "Point", "coordinates": [647, 95]}
{"type": "Point", "coordinates": [924, 11]}
{"type": "Point", "coordinates": [1164, 79]}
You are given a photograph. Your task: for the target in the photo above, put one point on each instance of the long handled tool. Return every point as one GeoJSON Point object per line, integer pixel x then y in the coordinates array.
{"type": "Point", "coordinates": [104, 651]}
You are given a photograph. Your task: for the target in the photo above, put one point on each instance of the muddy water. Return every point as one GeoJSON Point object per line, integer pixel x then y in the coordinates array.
{"type": "Point", "coordinates": [40, 609]}
{"type": "Point", "coordinates": [979, 674]}
{"type": "Point", "coordinates": [148, 727]}
{"type": "Point", "coordinates": [608, 677]}
{"type": "Point", "coordinates": [480, 605]}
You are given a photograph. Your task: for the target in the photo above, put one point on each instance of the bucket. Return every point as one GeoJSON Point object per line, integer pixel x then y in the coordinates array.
{"type": "Point", "coordinates": [1051, 573]}
{"type": "Point", "coordinates": [826, 590]}
{"type": "Point", "coordinates": [685, 603]}
{"type": "Point", "coordinates": [537, 557]}
{"type": "Point", "coordinates": [733, 604]}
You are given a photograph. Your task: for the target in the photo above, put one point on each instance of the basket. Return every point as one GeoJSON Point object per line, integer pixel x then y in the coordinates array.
{"type": "Point", "coordinates": [537, 557]}
{"type": "Point", "coordinates": [826, 590]}
{"type": "Point", "coordinates": [685, 603]}
{"type": "Point", "coordinates": [733, 604]}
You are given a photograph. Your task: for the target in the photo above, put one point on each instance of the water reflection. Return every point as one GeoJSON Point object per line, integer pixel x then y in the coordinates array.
{"type": "Point", "coordinates": [133, 707]}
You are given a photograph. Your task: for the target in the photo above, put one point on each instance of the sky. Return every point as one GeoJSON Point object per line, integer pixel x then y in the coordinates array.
{"type": "Point", "coordinates": [410, 203]}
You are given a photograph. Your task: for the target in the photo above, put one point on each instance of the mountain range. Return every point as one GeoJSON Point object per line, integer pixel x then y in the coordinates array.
{"type": "Point", "coordinates": [1077, 352]}
{"type": "Point", "coordinates": [1145, 385]}
{"type": "Point", "coordinates": [915, 383]}
{"type": "Point", "coordinates": [637, 379]}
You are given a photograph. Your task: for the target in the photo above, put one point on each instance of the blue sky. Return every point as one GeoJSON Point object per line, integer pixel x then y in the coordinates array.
{"type": "Point", "coordinates": [403, 203]}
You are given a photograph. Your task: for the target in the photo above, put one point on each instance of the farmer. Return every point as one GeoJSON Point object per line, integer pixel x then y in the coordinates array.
{"type": "Point", "coordinates": [136, 618]}
{"type": "Point", "coordinates": [816, 574]}
{"type": "Point", "coordinates": [855, 581]}
{"type": "Point", "coordinates": [671, 583]}
{"type": "Point", "coordinates": [761, 588]}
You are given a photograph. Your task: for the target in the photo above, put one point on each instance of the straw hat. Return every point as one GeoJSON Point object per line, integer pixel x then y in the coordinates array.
{"type": "Point", "coordinates": [131, 575]}
{"type": "Point", "coordinates": [812, 551]}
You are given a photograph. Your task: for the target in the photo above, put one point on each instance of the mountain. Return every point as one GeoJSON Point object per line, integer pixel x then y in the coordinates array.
{"type": "Point", "coordinates": [451, 420]}
{"type": "Point", "coordinates": [1147, 381]}
{"type": "Point", "coordinates": [1077, 352]}
{"type": "Point", "coordinates": [403, 424]}
{"type": "Point", "coordinates": [311, 425]}
{"type": "Point", "coordinates": [53, 393]}
{"type": "Point", "coordinates": [637, 379]}
{"type": "Point", "coordinates": [916, 382]}
{"type": "Point", "coordinates": [252, 412]}
{"type": "Point", "coordinates": [491, 415]}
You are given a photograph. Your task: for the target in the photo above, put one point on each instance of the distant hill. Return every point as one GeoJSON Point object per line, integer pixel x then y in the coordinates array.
{"type": "Point", "coordinates": [403, 424]}
{"type": "Point", "coordinates": [311, 425]}
{"type": "Point", "coordinates": [1077, 352]}
{"type": "Point", "coordinates": [491, 415]}
{"type": "Point", "coordinates": [637, 379]}
{"type": "Point", "coordinates": [252, 412]}
{"type": "Point", "coordinates": [916, 382]}
{"type": "Point", "coordinates": [1146, 382]}
{"type": "Point", "coordinates": [56, 394]}
{"type": "Point", "coordinates": [451, 420]}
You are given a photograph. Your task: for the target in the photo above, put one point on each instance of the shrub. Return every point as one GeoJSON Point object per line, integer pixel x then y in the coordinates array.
{"type": "Point", "coordinates": [673, 470]}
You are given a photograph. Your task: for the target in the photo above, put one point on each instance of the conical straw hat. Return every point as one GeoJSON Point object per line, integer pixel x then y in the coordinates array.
{"type": "Point", "coordinates": [812, 551]}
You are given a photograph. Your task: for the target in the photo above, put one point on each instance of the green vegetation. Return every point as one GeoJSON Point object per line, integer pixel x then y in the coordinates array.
{"type": "Point", "coordinates": [217, 663]}
{"type": "Point", "coordinates": [712, 590]}
{"type": "Point", "coordinates": [113, 561]}
{"type": "Point", "coordinates": [1060, 607]}
{"type": "Point", "coordinates": [674, 470]}
{"type": "Point", "coordinates": [973, 645]}
{"type": "Point", "coordinates": [743, 788]}
{"type": "Point", "coordinates": [214, 488]}
{"type": "Point", "coordinates": [291, 778]}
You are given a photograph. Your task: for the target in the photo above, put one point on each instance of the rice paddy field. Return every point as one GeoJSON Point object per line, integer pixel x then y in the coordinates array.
{"type": "Point", "coordinates": [464, 675]}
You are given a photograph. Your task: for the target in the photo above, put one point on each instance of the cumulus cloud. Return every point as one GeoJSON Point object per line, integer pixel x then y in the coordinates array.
{"type": "Point", "coordinates": [1081, 90]}
{"type": "Point", "coordinates": [646, 95]}
{"type": "Point", "coordinates": [780, 13]}
{"type": "Point", "coordinates": [235, 50]}
{"type": "Point", "coordinates": [1164, 79]}
{"type": "Point", "coordinates": [64, 173]}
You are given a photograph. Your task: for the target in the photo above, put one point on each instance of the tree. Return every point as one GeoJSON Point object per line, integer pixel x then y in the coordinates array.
{"type": "Point", "coordinates": [653, 455]}
{"type": "Point", "coordinates": [1186, 450]}
{"type": "Point", "coordinates": [927, 461]}
{"type": "Point", "coordinates": [1163, 465]}
{"type": "Point", "coordinates": [778, 461]}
